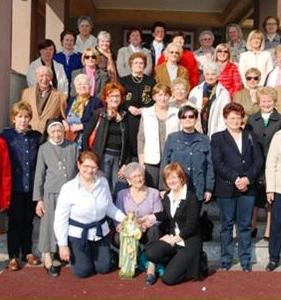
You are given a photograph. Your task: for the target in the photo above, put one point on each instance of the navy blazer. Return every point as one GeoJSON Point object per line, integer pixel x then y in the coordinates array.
{"type": "Point", "coordinates": [229, 163]}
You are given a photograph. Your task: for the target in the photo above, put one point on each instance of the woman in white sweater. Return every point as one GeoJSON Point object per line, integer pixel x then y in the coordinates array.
{"type": "Point", "coordinates": [255, 57]}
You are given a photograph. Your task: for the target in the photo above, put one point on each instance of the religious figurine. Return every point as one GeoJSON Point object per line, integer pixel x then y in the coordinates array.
{"type": "Point", "coordinates": [130, 235]}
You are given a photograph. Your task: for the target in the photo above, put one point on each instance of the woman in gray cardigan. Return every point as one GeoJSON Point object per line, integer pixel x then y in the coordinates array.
{"type": "Point", "coordinates": [55, 166]}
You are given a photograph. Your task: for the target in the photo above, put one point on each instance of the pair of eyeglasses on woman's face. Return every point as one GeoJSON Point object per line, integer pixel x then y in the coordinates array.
{"type": "Point", "coordinates": [256, 78]}
{"type": "Point", "coordinates": [184, 117]}
{"type": "Point", "coordinates": [90, 56]}
{"type": "Point", "coordinates": [222, 51]}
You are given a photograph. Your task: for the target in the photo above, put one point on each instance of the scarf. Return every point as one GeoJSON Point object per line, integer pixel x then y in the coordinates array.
{"type": "Point", "coordinates": [79, 104]}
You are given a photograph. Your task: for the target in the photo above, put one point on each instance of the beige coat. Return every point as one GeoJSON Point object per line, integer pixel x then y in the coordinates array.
{"type": "Point", "coordinates": [273, 165]}
{"type": "Point", "coordinates": [55, 107]}
{"type": "Point", "coordinates": [162, 75]}
{"type": "Point", "coordinates": [278, 103]}
{"type": "Point", "coordinates": [243, 97]}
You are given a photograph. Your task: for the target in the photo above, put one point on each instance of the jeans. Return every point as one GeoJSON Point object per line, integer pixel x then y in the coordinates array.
{"type": "Point", "coordinates": [95, 258]}
{"type": "Point", "coordinates": [236, 209]}
{"type": "Point", "coordinates": [110, 167]}
{"type": "Point", "coordinates": [275, 234]}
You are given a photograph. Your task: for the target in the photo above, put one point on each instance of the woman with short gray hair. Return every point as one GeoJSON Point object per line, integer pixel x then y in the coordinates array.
{"type": "Point", "coordinates": [107, 58]}
{"type": "Point", "coordinates": [142, 200]}
{"type": "Point", "coordinates": [209, 98]}
{"type": "Point", "coordinates": [85, 39]}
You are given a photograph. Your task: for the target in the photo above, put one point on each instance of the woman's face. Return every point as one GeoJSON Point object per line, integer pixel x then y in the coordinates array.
{"type": "Point", "coordinates": [68, 42]}
{"type": "Point", "coordinates": [174, 182]}
{"type": "Point", "coordinates": [104, 43]}
{"type": "Point", "coordinates": [136, 179]}
{"type": "Point", "coordinates": [47, 53]}
{"type": "Point", "coordinates": [87, 169]}
{"type": "Point", "coordinates": [82, 87]}
{"type": "Point", "coordinates": [179, 41]}
{"type": "Point", "coordinates": [233, 121]}
{"type": "Point", "coordinates": [222, 54]}
{"type": "Point", "coordinates": [256, 42]}
{"type": "Point", "coordinates": [173, 55]}
{"type": "Point", "coordinates": [211, 77]}
{"type": "Point", "coordinates": [56, 133]}
{"type": "Point", "coordinates": [21, 121]}
{"type": "Point", "coordinates": [206, 41]}
{"type": "Point", "coordinates": [266, 104]}
{"type": "Point", "coordinates": [161, 99]}
{"type": "Point", "coordinates": [233, 34]}
{"type": "Point", "coordinates": [188, 121]}
{"type": "Point", "coordinates": [85, 28]}
{"type": "Point", "coordinates": [113, 99]}
{"type": "Point", "coordinates": [137, 66]}
{"type": "Point", "coordinates": [179, 92]}
{"type": "Point", "coordinates": [271, 26]}
{"type": "Point", "coordinates": [252, 80]}
{"type": "Point", "coordinates": [90, 60]}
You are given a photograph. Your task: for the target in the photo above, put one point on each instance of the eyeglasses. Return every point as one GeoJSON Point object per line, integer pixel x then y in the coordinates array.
{"type": "Point", "coordinates": [90, 56]}
{"type": "Point", "coordinates": [222, 51]}
{"type": "Point", "coordinates": [174, 52]}
{"type": "Point", "coordinates": [271, 23]}
{"type": "Point", "coordinates": [206, 39]}
{"type": "Point", "coordinates": [184, 117]}
{"type": "Point", "coordinates": [256, 78]}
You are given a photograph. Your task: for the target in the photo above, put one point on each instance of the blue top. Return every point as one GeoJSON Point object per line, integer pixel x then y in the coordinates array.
{"type": "Point", "coordinates": [23, 150]}
{"type": "Point", "coordinates": [73, 63]}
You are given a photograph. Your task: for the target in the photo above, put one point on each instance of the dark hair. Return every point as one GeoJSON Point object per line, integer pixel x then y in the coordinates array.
{"type": "Point", "coordinates": [133, 30]}
{"type": "Point", "coordinates": [233, 107]}
{"type": "Point", "coordinates": [184, 109]}
{"type": "Point", "coordinates": [176, 34]}
{"type": "Point", "coordinates": [178, 169]}
{"type": "Point", "coordinates": [45, 44]}
{"type": "Point", "coordinates": [67, 32]}
{"type": "Point", "coordinates": [88, 155]}
{"type": "Point", "coordinates": [158, 24]}
{"type": "Point", "coordinates": [270, 17]}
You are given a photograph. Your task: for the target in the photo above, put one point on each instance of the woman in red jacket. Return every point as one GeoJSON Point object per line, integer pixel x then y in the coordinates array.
{"type": "Point", "coordinates": [229, 76]}
{"type": "Point", "coordinates": [5, 176]}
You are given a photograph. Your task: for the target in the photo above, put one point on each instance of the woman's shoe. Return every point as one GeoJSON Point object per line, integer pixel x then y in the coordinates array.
{"type": "Point", "coordinates": [272, 265]}
{"type": "Point", "coordinates": [14, 265]}
{"type": "Point", "coordinates": [52, 271]}
{"type": "Point", "coordinates": [254, 232]}
{"type": "Point", "coordinates": [266, 238]}
{"type": "Point", "coordinates": [32, 260]}
{"type": "Point", "coordinates": [150, 279]}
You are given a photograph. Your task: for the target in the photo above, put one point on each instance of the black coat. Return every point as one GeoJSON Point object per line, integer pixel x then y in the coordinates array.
{"type": "Point", "coordinates": [102, 133]}
{"type": "Point", "coordinates": [186, 217]}
{"type": "Point", "coordinates": [229, 163]}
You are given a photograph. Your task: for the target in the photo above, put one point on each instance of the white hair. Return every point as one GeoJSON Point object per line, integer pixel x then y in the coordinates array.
{"type": "Point", "coordinates": [81, 77]}
{"type": "Point", "coordinates": [213, 67]}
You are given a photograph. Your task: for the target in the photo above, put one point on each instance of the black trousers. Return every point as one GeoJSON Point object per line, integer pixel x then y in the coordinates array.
{"type": "Point", "coordinates": [274, 246]}
{"type": "Point", "coordinates": [181, 263]}
{"type": "Point", "coordinates": [20, 213]}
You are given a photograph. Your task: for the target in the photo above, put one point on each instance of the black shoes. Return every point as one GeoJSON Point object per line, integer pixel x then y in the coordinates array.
{"type": "Point", "coordinates": [247, 269]}
{"type": "Point", "coordinates": [254, 232]}
{"type": "Point", "coordinates": [272, 265]}
{"type": "Point", "coordinates": [150, 279]}
{"type": "Point", "coordinates": [225, 267]}
{"type": "Point", "coordinates": [52, 271]}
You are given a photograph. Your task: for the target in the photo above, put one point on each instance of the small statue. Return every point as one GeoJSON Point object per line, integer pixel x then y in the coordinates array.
{"type": "Point", "coordinates": [130, 235]}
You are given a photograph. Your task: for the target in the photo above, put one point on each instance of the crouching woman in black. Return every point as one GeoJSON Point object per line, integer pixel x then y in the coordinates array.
{"type": "Point", "coordinates": [179, 249]}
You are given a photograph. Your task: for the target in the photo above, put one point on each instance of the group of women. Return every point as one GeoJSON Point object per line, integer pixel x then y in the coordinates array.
{"type": "Point", "coordinates": [122, 140]}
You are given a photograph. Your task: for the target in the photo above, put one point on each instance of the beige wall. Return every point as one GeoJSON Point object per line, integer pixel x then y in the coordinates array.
{"type": "Point", "coordinates": [5, 61]}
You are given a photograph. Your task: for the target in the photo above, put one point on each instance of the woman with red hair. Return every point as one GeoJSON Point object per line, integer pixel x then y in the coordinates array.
{"type": "Point", "coordinates": [107, 133]}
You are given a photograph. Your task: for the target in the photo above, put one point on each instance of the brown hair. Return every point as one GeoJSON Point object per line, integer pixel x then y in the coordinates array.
{"type": "Point", "coordinates": [253, 70]}
{"type": "Point", "coordinates": [267, 91]}
{"type": "Point", "coordinates": [161, 87]}
{"type": "Point", "coordinates": [88, 155]}
{"type": "Point", "coordinates": [174, 168]}
{"type": "Point", "coordinates": [137, 55]}
{"type": "Point", "coordinates": [20, 107]}
{"type": "Point", "coordinates": [109, 87]}
{"type": "Point", "coordinates": [270, 17]}
{"type": "Point", "coordinates": [233, 107]}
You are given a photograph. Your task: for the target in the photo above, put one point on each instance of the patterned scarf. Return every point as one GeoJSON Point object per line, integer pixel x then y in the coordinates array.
{"type": "Point", "coordinates": [209, 96]}
{"type": "Point", "coordinates": [79, 105]}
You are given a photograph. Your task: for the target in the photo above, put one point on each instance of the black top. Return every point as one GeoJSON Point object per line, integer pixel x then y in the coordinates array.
{"type": "Point", "coordinates": [114, 138]}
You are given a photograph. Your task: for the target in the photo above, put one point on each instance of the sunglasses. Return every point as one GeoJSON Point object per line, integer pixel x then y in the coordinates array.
{"type": "Point", "coordinates": [222, 51]}
{"type": "Point", "coordinates": [90, 56]}
{"type": "Point", "coordinates": [256, 78]}
{"type": "Point", "coordinates": [174, 52]}
{"type": "Point", "coordinates": [184, 117]}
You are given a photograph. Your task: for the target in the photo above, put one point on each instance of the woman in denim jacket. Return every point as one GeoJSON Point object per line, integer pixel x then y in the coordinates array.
{"type": "Point", "coordinates": [193, 151]}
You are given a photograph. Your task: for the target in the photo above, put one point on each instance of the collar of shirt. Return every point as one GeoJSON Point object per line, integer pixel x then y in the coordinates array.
{"type": "Point", "coordinates": [275, 38]}
{"type": "Point", "coordinates": [158, 45]}
{"type": "Point", "coordinates": [135, 49]}
{"type": "Point", "coordinates": [182, 194]}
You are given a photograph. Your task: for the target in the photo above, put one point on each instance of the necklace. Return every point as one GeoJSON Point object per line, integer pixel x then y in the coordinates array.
{"type": "Point", "coordinates": [137, 79]}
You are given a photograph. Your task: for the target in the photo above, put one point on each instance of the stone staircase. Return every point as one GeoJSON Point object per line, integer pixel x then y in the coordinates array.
{"type": "Point", "coordinates": [259, 246]}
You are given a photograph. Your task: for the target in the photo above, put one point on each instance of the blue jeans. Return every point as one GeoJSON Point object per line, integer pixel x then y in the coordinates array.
{"type": "Point", "coordinates": [95, 258]}
{"type": "Point", "coordinates": [110, 167]}
{"type": "Point", "coordinates": [236, 209]}
{"type": "Point", "coordinates": [275, 234]}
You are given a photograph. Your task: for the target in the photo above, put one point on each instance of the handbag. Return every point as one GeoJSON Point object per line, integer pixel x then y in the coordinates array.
{"type": "Point", "coordinates": [206, 226]}
{"type": "Point", "coordinates": [92, 137]}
